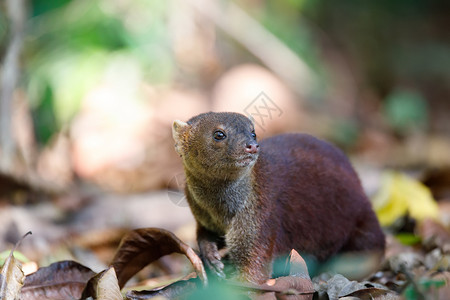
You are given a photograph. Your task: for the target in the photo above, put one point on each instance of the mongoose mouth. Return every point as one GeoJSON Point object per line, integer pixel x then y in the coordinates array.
{"type": "Point", "coordinates": [245, 161]}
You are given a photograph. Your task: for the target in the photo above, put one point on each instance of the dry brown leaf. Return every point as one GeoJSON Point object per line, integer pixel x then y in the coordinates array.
{"type": "Point", "coordinates": [11, 278]}
{"type": "Point", "coordinates": [373, 293]}
{"type": "Point", "coordinates": [103, 286]}
{"type": "Point", "coordinates": [297, 286]}
{"type": "Point", "coordinates": [143, 246]}
{"type": "Point", "coordinates": [11, 275]}
{"type": "Point", "coordinates": [60, 280]}
{"type": "Point", "coordinates": [297, 265]}
{"type": "Point", "coordinates": [436, 260]}
{"type": "Point", "coordinates": [172, 291]}
{"type": "Point", "coordinates": [405, 262]}
{"type": "Point", "coordinates": [433, 234]}
{"type": "Point", "coordinates": [338, 287]}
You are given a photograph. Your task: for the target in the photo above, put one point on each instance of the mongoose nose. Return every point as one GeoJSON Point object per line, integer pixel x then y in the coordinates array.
{"type": "Point", "coordinates": [252, 148]}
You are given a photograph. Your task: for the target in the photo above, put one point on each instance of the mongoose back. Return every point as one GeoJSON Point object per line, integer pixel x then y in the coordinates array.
{"type": "Point", "coordinates": [291, 191]}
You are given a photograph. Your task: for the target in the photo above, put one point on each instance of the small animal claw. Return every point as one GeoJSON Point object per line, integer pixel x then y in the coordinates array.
{"type": "Point", "coordinates": [214, 264]}
{"type": "Point", "coordinates": [212, 259]}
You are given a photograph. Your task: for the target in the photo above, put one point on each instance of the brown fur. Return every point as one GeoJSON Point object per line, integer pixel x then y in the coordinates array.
{"type": "Point", "coordinates": [297, 192]}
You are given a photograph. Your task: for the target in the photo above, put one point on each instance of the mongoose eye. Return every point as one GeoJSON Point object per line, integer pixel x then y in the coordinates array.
{"type": "Point", "coordinates": [219, 135]}
{"type": "Point", "coordinates": [254, 134]}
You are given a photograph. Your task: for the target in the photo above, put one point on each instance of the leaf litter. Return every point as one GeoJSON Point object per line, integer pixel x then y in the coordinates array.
{"type": "Point", "coordinates": [417, 269]}
{"type": "Point", "coordinates": [404, 274]}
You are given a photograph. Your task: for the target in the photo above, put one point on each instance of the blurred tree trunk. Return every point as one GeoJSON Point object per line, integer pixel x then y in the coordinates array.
{"type": "Point", "coordinates": [15, 12]}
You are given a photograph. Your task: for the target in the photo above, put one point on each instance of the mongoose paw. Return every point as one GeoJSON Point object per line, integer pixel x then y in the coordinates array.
{"type": "Point", "coordinates": [216, 266]}
{"type": "Point", "coordinates": [211, 258]}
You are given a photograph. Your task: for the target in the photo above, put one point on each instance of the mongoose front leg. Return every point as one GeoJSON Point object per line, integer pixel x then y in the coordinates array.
{"type": "Point", "coordinates": [209, 244]}
{"type": "Point", "coordinates": [249, 251]}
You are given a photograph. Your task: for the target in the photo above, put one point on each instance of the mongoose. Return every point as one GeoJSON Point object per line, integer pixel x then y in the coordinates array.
{"type": "Point", "coordinates": [291, 191]}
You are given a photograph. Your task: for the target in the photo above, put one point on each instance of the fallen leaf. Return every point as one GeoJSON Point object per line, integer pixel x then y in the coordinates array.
{"type": "Point", "coordinates": [372, 293]}
{"type": "Point", "coordinates": [297, 286]}
{"type": "Point", "coordinates": [143, 246]}
{"type": "Point", "coordinates": [103, 286]}
{"type": "Point", "coordinates": [433, 234]}
{"type": "Point", "coordinates": [337, 283]}
{"type": "Point", "coordinates": [297, 265]}
{"type": "Point", "coordinates": [281, 288]}
{"type": "Point", "coordinates": [172, 291]}
{"type": "Point", "coordinates": [403, 262]}
{"type": "Point", "coordinates": [60, 280]}
{"type": "Point", "coordinates": [408, 239]}
{"type": "Point", "coordinates": [11, 278]}
{"type": "Point", "coordinates": [400, 194]}
{"type": "Point", "coordinates": [436, 260]}
{"type": "Point", "coordinates": [338, 287]}
{"type": "Point", "coordinates": [393, 282]}
{"type": "Point", "coordinates": [11, 275]}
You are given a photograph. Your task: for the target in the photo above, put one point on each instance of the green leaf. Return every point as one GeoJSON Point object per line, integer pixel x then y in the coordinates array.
{"type": "Point", "coordinates": [408, 239]}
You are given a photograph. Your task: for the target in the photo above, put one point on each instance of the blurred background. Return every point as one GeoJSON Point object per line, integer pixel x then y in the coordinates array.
{"type": "Point", "coordinates": [90, 88]}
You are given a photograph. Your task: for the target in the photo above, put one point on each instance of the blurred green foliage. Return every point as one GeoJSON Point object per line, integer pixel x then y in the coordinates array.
{"type": "Point", "coordinates": [406, 110]}
{"type": "Point", "coordinates": [71, 44]}
{"type": "Point", "coordinates": [40, 7]}
{"type": "Point", "coordinates": [389, 46]}
{"type": "Point", "coordinates": [399, 56]}
{"type": "Point", "coordinates": [390, 43]}
{"type": "Point", "coordinates": [285, 20]}
{"type": "Point", "coordinates": [3, 29]}
{"type": "Point", "coordinates": [345, 132]}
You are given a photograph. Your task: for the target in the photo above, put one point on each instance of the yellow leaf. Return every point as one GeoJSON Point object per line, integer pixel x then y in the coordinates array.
{"type": "Point", "coordinates": [400, 194]}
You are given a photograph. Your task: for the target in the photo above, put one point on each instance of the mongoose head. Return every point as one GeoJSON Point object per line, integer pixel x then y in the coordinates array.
{"type": "Point", "coordinates": [216, 145]}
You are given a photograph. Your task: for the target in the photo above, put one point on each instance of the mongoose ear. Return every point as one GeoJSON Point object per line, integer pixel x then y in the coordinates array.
{"type": "Point", "coordinates": [179, 133]}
